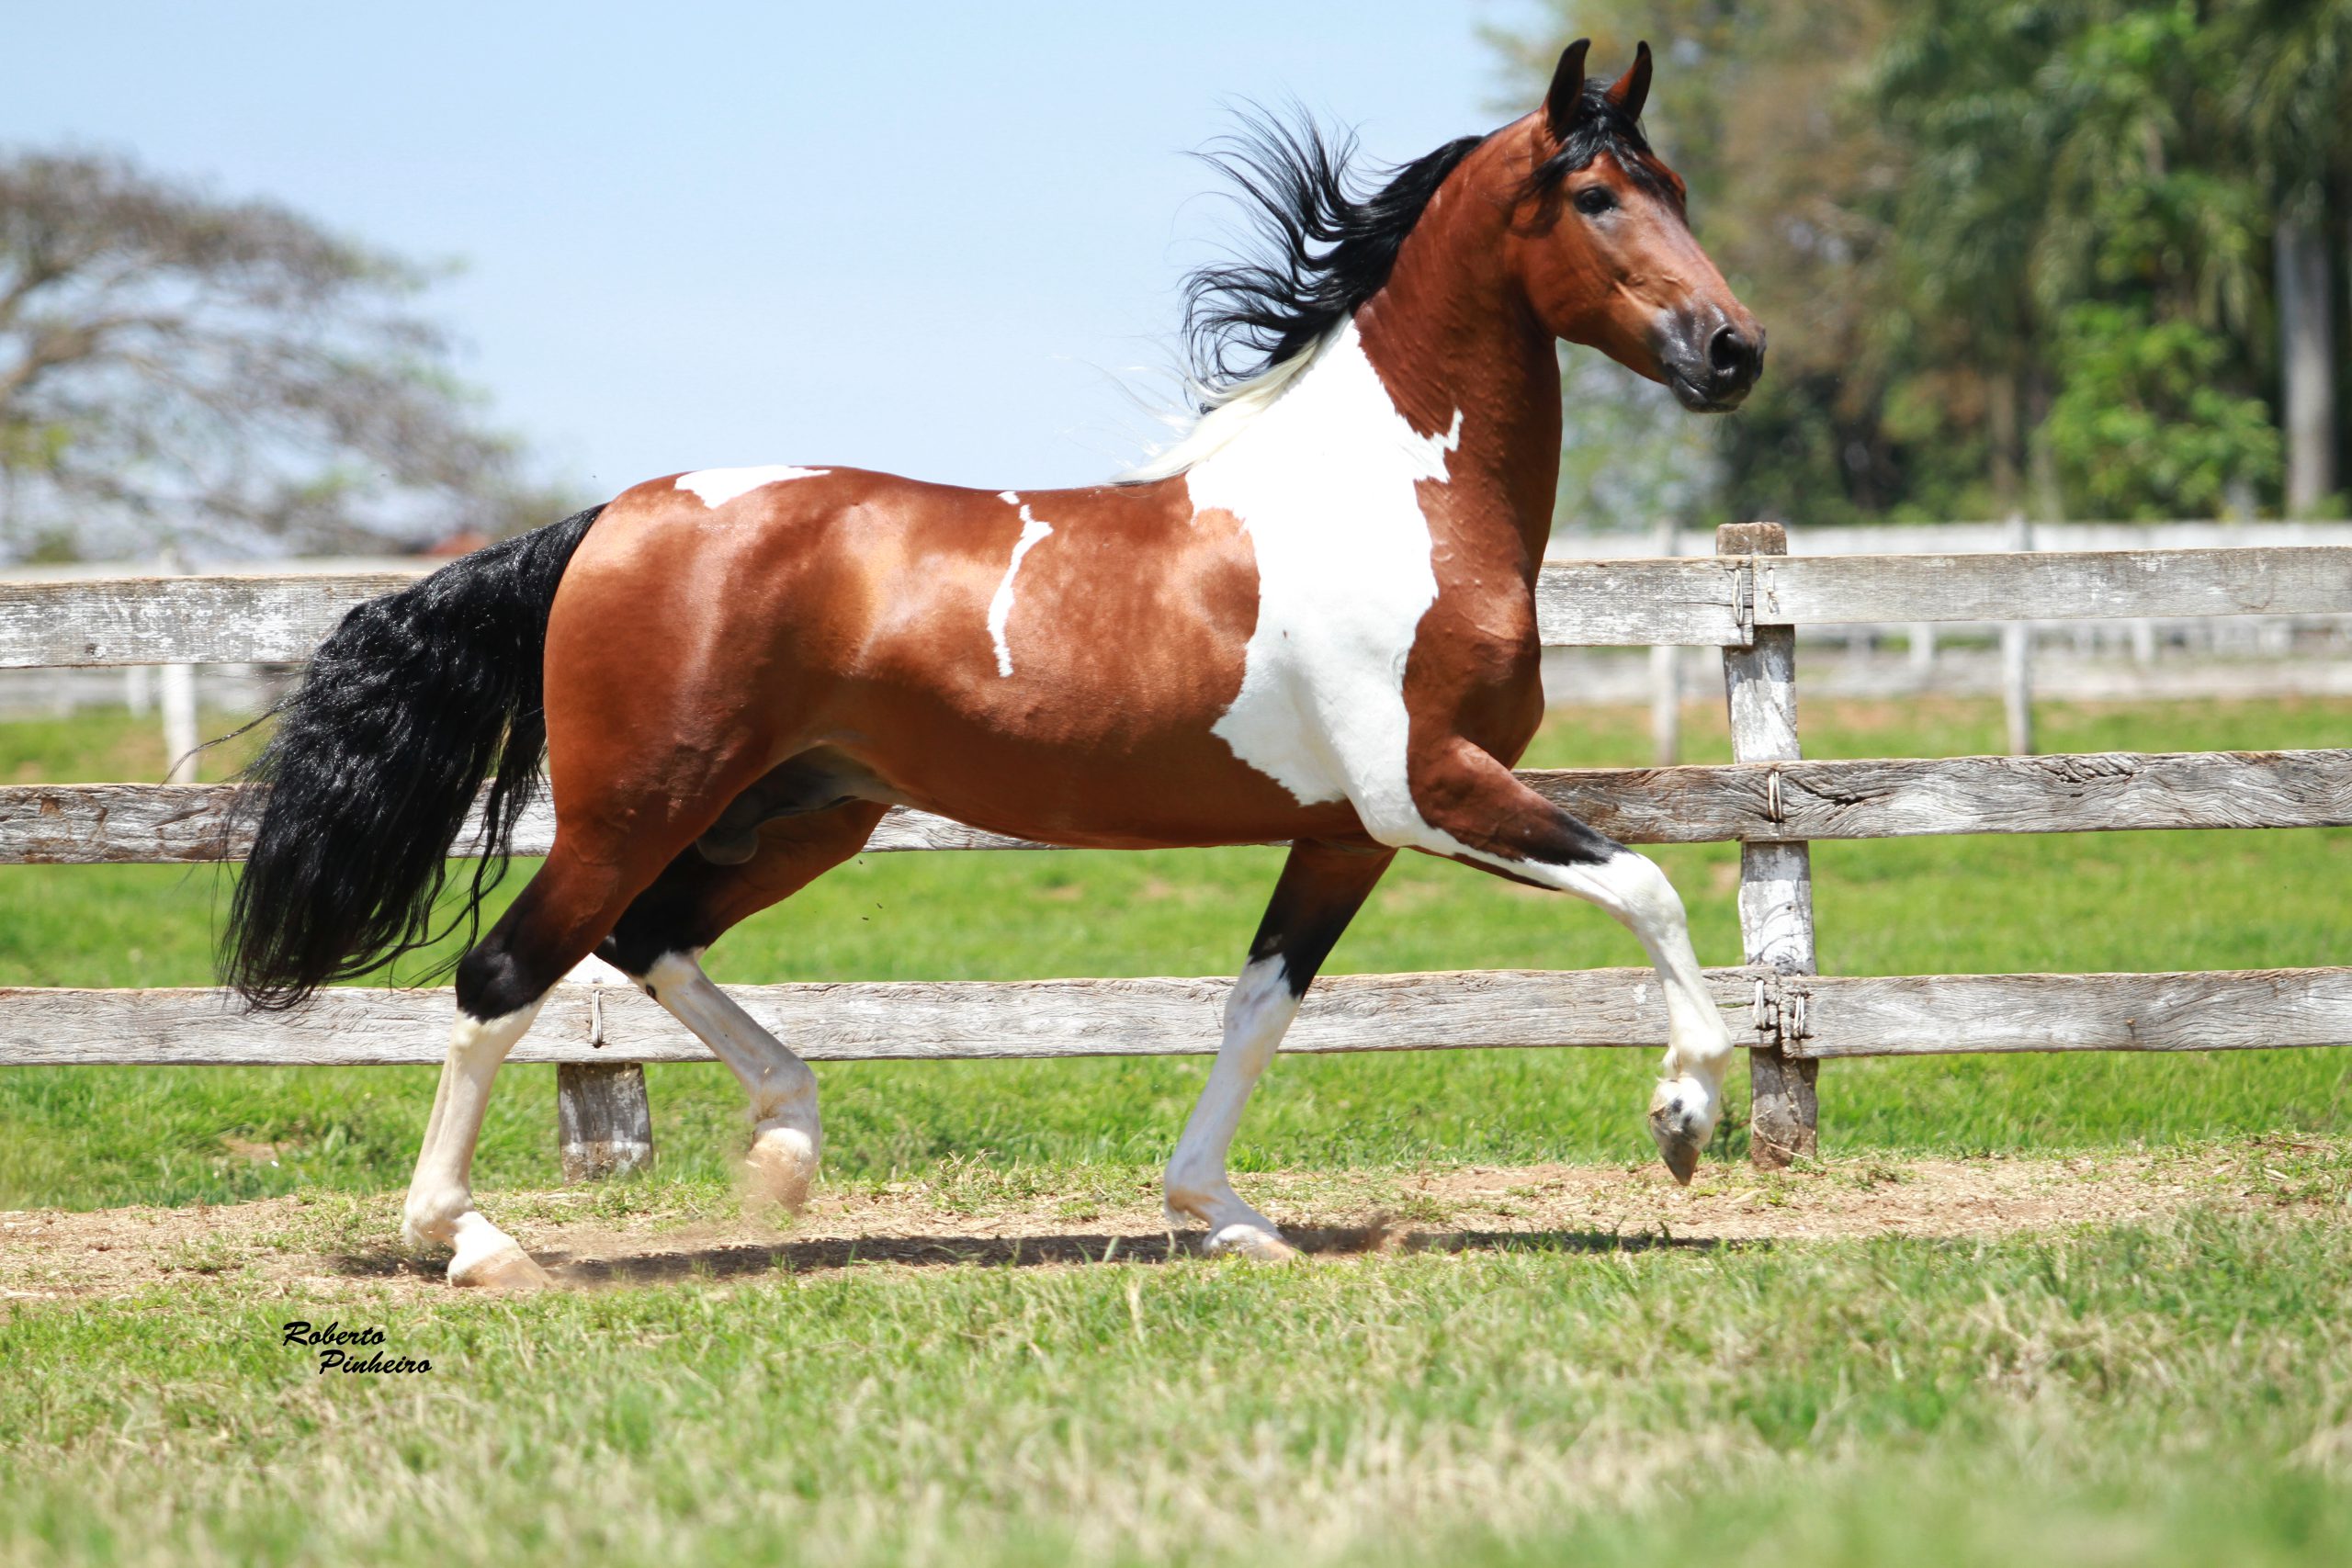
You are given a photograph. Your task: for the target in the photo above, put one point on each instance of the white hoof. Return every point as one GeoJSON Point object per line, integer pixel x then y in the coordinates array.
{"type": "Point", "coordinates": [1252, 1242]}
{"type": "Point", "coordinates": [1683, 1113]}
{"type": "Point", "coordinates": [489, 1259]}
{"type": "Point", "coordinates": [511, 1270]}
{"type": "Point", "coordinates": [781, 1166]}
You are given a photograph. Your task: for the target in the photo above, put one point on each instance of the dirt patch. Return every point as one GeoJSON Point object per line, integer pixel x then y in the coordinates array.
{"type": "Point", "coordinates": [323, 1244]}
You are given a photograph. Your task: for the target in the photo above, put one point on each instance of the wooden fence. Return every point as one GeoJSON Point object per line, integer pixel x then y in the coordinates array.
{"type": "Point", "coordinates": [2135, 657]}
{"type": "Point", "coordinates": [1746, 600]}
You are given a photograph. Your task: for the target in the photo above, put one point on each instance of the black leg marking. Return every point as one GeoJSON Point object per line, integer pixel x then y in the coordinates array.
{"type": "Point", "coordinates": [1322, 887]}
{"type": "Point", "coordinates": [515, 965]}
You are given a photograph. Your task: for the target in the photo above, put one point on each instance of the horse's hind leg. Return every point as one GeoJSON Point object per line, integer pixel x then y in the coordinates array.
{"type": "Point", "coordinates": [658, 943]}
{"type": "Point", "coordinates": [1322, 887]}
{"type": "Point", "coordinates": [550, 926]}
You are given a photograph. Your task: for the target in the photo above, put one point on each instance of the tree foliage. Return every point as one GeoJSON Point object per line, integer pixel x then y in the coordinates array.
{"type": "Point", "coordinates": [2014, 255]}
{"type": "Point", "coordinates": [178, 369]}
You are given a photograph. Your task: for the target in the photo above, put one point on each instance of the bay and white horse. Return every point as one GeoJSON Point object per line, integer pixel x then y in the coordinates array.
{"type": "Point", "coordinates": [1313, 620]}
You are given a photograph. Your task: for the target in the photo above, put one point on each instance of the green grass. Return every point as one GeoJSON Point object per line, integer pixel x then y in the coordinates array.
{"type": "Point", "coordinates": [2172, 1395]}
{"type": "Point", "coordinates": [84, 1136]}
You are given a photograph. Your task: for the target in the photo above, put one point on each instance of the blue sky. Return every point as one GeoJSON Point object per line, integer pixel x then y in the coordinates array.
{"type": "Point", "coordinates": [934, 239]}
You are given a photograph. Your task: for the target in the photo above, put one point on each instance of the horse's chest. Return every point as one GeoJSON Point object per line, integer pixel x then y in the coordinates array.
{"type": "Point", "coordinates": [1345, 584]}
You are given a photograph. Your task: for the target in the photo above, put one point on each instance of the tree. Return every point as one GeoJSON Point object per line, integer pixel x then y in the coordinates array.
{"type": "Point", "coordinates": [176, 368]}
{"type": "Point", "coordinates": [2293, 92]}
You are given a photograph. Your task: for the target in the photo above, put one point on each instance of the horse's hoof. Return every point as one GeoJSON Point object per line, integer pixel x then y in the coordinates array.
{"type": "Point", "coordinates": [780, 1168]}
{"type": "Point", "coordinates": [506, 1269]}
{"type": "Point", "coordinates": [1250, 1242]}
{"type": "Point", "coordinates": [1682, 1118]}
{"type": "Point", "coordinates": [1682, 1161]}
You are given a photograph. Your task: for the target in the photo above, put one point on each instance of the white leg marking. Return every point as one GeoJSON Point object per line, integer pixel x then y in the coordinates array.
{"type": "Point", "coordinates": [787, 1136]}
{"type": "Point", "coordinates": [717, 487]}
{"type": "Point", "coordinates": [1690, 1096]}
{"type": "Point", "coordinates": [440, 1210]}
{"type": "Point", "coordinates": [1001, 607]}
{"type": "Point", "coordinates": [1257, 1012]}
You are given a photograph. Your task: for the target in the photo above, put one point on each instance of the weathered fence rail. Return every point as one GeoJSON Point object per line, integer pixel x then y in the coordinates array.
{"type": "Point", "coordinates": [1746, 600]}
{"type": "Point", "coordinates": [2082, 652]}
{"type": "Point", "coordinates": [1892, 797]}
{"type": "Point", "coordinates": [1704, 601]}
{"type": "Point", "coordinates": [974, 1020]}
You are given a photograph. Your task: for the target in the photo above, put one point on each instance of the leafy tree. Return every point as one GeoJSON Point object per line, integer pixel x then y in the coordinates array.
{"type": "Point", "coordinates": [174, 368]}
{"type": "Point", "coordinates": [2144, 427]}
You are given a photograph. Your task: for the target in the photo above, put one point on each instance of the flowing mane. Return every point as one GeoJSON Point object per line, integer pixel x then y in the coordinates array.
{"type": "Point", "coordinates": [1324, 245]}
{"type": "Point", "coordinates": [1325, 242]}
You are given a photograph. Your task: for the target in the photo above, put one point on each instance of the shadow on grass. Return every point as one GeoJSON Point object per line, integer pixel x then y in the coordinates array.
{"type": "Point", "coordinates": [817, 1256]}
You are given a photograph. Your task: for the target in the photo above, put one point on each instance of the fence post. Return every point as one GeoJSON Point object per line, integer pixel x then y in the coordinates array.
{"type": "Point", "coordinates": [1775, 877]}
{"type": "Point", "coordinates": [1923, 651]}
{"type": "Point", "coordinates": [604, 1124]}
{"type": "Point", "coordinates": [2017, 661]}
{"type": "Point", "coordinates": [178, 693]}
{"type": "Point", "coordinates": [1665, 673]}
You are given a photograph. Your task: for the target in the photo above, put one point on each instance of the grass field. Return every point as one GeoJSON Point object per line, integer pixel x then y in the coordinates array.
{"type": "Point", "coordinates": [2171, 1384]}
{"type": "Point", "coordinates": [2174, 1391]}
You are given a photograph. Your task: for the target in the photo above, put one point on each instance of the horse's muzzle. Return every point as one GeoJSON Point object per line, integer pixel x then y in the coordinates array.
{"type": "Point", "coordinates": [1714, 360]}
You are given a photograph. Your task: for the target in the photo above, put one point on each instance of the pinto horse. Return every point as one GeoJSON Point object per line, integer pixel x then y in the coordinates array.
{"type": "Point", "coordinates": [1313, 621]}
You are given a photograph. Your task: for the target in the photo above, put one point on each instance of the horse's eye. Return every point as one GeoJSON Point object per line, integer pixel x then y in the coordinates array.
{"type": "Point", "coordinates": [1594, 200]}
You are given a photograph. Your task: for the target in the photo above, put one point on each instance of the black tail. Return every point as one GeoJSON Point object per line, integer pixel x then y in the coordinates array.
{"type": "Point", "coordinates": [416, 699]}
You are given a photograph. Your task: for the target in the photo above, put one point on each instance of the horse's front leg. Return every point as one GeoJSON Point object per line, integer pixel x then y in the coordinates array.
{"type": "Point", "coordinates": [1474, 810]}
{"type": "Point", "coordinates": [1322, 887]}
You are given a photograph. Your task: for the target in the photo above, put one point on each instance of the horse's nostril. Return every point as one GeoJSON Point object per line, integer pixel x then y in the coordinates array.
{"type": "Point", "coordinates": [1729, 354]}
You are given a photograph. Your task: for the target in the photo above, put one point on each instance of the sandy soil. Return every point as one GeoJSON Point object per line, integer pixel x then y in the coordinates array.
{"type": "Point", "coordinates": [319, 1246]}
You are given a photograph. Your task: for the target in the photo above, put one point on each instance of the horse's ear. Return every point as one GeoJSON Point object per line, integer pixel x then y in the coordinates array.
{"type": "Point", "coordinates": [1568, 86]}
{"type": "Point", "coordinates": [1632, 89]}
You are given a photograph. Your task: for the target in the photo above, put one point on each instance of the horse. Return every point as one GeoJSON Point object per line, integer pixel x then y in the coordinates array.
{"type": "Point", "coordinates": [1312, 621]}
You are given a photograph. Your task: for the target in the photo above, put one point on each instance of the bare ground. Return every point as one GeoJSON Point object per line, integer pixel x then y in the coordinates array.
{"type": "Point", "coordinates": [317, 1245]}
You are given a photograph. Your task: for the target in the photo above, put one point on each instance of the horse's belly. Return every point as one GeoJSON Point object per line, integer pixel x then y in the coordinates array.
{"type": "Point", "coordinates": [1091, 783]}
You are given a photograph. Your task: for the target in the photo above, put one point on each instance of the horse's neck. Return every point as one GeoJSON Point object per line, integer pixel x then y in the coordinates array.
{"type": "Point", "coordinates": [1450, 340]}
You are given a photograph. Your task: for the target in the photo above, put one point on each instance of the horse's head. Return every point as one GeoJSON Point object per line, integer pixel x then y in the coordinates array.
{"type": "Point", "coordinates": [1604, 253]}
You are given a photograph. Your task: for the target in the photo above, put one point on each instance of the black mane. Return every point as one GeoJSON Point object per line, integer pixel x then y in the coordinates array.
{"type": "Point", "coordinates": [1327, 245]}
{"type": "Point", "coordinates": [1325, 248]}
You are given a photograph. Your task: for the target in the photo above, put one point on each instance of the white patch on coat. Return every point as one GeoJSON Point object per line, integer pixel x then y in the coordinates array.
{"type": "Point", "coordinates": [1323, 479]}
{"type": "Point", "coordinates": [717, 487]}
{"type": "Point", "coordinates": [1000, 606]}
